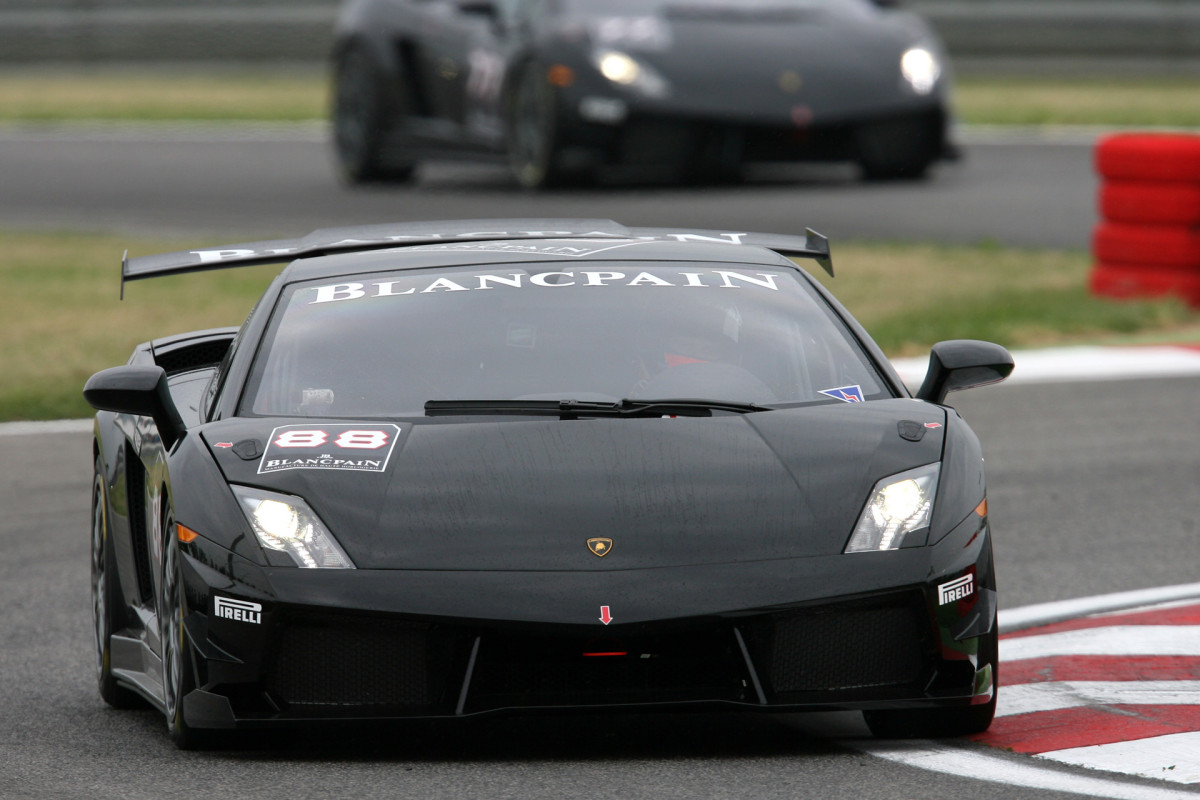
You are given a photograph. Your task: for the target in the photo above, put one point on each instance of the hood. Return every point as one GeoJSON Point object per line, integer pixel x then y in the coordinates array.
{"type": "Point", "coordinates": [520, 493]}
{"type": "Point", "coordinates": [767, 64]}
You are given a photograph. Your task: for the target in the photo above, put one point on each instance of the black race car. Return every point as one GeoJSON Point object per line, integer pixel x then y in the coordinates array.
{"type": "Point", "coordinates": [686, 89]}
{"type": "Point", "coordinates": [450, 469]}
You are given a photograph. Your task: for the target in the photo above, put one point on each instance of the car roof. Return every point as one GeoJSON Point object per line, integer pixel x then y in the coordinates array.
{"type": "Point", "coordinates": [335, 251]}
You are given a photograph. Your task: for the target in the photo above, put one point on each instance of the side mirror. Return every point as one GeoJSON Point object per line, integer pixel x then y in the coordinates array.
{"type": "Point", "coordinates": [138, 390]}
{"type": "Point", "coordinates": [963, 364]}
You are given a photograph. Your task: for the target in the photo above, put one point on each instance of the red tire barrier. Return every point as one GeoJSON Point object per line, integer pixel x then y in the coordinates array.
{"type": "Point", "coordinates": [1143, 203]}
{"type": "Point", "coordinates": [1149, 157]}
{"type": "Point", "coordinates": [1128, 282]}
{"type": "Point", "coordinates": [1151, 245]}
{"type": "Point", "coordinates": [1148, 241]}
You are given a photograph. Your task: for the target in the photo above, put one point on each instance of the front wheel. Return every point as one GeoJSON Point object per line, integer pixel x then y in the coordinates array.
{"type": "Point", "coordinates": [533, 137]}
{"type": "Point", "coordinates": [363, 112]}
{"type": "Point", "coordinates": [935, 723]}
{"type": "Point", "coordinates": [179, 677]}
{"type": "Point", "coordinates": [106, 600]}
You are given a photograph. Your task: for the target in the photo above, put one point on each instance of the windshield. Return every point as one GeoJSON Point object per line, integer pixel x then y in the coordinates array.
{"type": "Point", "coordinates": [386, 344]}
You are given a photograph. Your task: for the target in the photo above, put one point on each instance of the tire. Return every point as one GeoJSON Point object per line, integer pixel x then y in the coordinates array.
{"type": "Point", "coordinates": [533, 140]}
{"type": "Point", "coordinates": [363, 113]}
{"type": "Point", "coordinates": [1128, 281]}
{"type": "Point", "coordinates": [106, 600]}
{"type": "Point", "coordinates": [1149, 157]}
{"type": "Point", "coordinates": [1147, 245]}
{"type": "Point", "coordinates": [1149, 203]}
{"type": "Point", "coordinates": [179, 677]}
{"type": "Point", "coordinates": [898, 149]}
{"type": "Point", "coordinates": [935, 723]}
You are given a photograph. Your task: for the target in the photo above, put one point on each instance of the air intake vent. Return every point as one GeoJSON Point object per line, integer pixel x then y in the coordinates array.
{"type": "Point", "coordinates": [873, 643]}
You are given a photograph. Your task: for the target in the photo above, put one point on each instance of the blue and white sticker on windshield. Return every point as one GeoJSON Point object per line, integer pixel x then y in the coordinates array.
{"type": "Point", "coordinates": [847, 394]}
{"type": "Point", "coordinates": [362, 448]}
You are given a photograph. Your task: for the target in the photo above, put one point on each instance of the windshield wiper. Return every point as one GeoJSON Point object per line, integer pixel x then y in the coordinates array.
{"type": "Point", "coordinates": [574, 409]}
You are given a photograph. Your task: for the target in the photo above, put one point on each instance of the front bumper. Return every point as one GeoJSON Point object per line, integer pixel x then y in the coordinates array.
{"type": "Point", "coordinates": [618, 128]}
{"type": "Point", "coordinates": [844, 632]}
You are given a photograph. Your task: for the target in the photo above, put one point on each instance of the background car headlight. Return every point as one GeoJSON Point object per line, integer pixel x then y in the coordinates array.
{"type": "Point", "coordinates": [898, 506]}
{"type": "Point", "coordinates": [625, 70]}
{"type": "Point", "coordinates": [286, 523]}
{"type": "Point", "coordinates": [921, 69]}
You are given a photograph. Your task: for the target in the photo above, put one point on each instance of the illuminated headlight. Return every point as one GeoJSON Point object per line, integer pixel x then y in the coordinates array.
{"type": "Point", "coordinates": [921, 69]}
{"type": "Point", "coordinates": [898, 506]}
{"type": "Point", "coordinates": [286, 523]}
{"type": "Point", "coordinates": [625, 70]}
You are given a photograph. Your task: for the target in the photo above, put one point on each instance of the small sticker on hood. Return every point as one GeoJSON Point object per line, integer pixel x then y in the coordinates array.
{"type": "Point", "coordinates": [360, 448]}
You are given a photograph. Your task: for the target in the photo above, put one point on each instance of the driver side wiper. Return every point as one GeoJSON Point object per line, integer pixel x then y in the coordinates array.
{"type": "Point", "coordinates": [574, 409]}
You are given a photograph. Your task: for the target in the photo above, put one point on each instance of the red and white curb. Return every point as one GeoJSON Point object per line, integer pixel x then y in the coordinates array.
{"type": "Point", "coordinates": [1110, 683]}
{"type": "Point", "coordinates": [1118, 692]}
{"type": "Point", "coordinates": [1066, 364]}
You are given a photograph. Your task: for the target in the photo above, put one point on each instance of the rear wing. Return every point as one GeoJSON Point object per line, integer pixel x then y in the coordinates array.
{"type": "Point", "coordinates": [329, 241]}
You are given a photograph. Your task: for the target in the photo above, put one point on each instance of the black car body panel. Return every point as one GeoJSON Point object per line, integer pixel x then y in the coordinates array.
{"type": "Point", "coordinates": [691, 88]}
{"type": "Point", "coordinates": [520, 553]}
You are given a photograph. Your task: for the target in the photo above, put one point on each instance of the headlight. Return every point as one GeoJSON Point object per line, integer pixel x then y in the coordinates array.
{"type": "Point", "coordinates": [921, 69]}
{"type": "Point", "coordinates": [286, 523]}
{"type": "Point", "coordinates": [625, 70]}
{"type": "Point", "coordinates": [898, 506]}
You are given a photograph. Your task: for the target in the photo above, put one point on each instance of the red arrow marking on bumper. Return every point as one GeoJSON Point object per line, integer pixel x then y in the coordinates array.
{"type": "Point", "coordinates": [605, 615]}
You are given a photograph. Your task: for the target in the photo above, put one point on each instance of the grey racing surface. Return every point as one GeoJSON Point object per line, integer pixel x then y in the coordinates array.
{"type": "Point", "coordinates": [242, 183]}
{"type": "Point", "coordinates": [1092, 490]}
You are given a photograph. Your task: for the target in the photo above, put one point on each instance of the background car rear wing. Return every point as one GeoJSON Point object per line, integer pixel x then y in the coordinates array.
{"type": "Point", "coordinates": [376, 237]}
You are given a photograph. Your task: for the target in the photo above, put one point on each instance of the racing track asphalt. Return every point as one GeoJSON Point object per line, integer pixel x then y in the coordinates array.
{"type": "Point", "coordinates": [240, 183]}
{"type": "Point", "coordinates": [1092, 489]}
{"type": "Point", "coordinates": [1093, 485]}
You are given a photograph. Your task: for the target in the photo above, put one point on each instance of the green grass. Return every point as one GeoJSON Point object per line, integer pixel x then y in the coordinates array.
{"type": "Point", "coordinates": [110, 94]}
{"type": "Point", "coordinates": [126, 94]}
{"type": "Point", "coordinates": [1167, 102]}
{"type": "Point", "coordinates": [61, 320]}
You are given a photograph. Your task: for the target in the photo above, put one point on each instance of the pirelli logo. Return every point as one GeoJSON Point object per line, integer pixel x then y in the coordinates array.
{"type": "Point", "coordinates": [956, 590]}
{"type": "Point", "coordinates": [237, 610]}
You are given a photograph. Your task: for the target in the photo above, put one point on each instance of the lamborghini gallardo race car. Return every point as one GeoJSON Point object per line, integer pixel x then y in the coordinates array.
{"type": "Point", "coordinates": [462, 468]}
{"type": "Point", "coordinates": [682, 89]}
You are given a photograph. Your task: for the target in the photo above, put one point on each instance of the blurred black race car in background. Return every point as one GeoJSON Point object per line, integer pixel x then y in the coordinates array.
{"type": "Point", "coordinates": [682, 89]}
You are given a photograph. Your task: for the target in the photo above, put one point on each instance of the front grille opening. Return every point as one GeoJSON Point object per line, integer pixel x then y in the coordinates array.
{"type": "Point", "coordinates": [337, 662]}
{"type": "Point", "coordinates": [878, 642]}
{"type": "Point", "coordinates": [514, 671]}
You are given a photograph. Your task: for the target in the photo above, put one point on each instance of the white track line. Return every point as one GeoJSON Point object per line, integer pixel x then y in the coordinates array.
{"type": "Point", "coordinates": [1054, 695]}
{"type": "Point", "coordinates": [1073, 364]}
{"type": "Point", "coordinates": [1015, 619]}
{"type": "Point", "coordinates": [44, 428]}
{"type": "Point", "coordinates": [1114, 640]}
{"type": "Point", "coordinates": [1170, 758]}
{"type": "Point", "coordinates": [1012, 772]}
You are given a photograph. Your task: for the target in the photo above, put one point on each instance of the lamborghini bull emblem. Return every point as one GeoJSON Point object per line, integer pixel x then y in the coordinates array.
{"type": "Point", "coordinates": [599, 545]}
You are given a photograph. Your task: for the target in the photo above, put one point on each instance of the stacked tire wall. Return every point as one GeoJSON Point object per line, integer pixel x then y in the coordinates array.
{"type": "Point", "coordinates": [1148, 241]}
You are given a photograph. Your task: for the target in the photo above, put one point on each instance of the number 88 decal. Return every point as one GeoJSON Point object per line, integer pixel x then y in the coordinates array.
{"type": "Point", "coordinates": [347, 440]}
